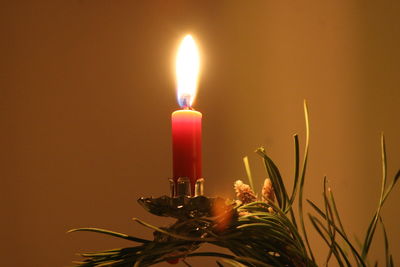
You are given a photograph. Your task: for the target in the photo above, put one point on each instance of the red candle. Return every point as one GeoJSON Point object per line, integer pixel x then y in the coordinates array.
{"type": "Point", "coordinates": [186, 145]}
{"type": "Point", "coordinates": [186, 123]}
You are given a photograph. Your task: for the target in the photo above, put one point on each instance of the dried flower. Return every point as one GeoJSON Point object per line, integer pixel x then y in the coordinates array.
{"type": "Point", "coordinates": [244, 192]}
{"type": "Point", "coordinates": [268, 194]}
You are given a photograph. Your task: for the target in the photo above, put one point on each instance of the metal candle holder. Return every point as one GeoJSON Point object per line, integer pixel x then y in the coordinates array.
{"type": "Point", "coordinates": [183, 187]}
{"type": "Point", "coordinates": [181, 205]}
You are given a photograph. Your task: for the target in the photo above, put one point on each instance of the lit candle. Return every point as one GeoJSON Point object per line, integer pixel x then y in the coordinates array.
{"type": "Point", "coordinates": [186, 122]}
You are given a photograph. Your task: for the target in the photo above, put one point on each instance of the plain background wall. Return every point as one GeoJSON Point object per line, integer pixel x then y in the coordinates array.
{"type": "Point", "coordinates": [87, 89]}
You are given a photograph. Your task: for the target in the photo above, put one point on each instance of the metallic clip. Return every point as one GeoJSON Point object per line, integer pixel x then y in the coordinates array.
{"type": "Point", "coordinates": [183, 186]}
{"type": "Point", "coordinates": [199, 187]}
{"type": "Point", "coordinates": [172, 187]}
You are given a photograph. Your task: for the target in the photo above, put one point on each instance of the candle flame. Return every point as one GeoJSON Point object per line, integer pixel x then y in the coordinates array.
{"type": "Point", "coordinates": [187, 71]}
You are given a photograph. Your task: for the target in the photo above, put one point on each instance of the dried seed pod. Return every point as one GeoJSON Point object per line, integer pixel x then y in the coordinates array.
{"type": "Point", "coordinates": [268, 194]}
{"type": "Point", "coordinates": [244, 192]}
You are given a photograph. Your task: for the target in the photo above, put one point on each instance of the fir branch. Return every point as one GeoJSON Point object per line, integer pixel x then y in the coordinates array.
{"type": "Point", "coordinates": [259, 233]}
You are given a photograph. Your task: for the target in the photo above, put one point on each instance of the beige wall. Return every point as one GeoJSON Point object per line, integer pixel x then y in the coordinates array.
{"type": "Point", "coordinates": [87, 88]}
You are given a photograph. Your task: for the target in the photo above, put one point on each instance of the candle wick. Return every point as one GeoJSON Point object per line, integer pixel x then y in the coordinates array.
{"type": "Point", "coordinates": [184, 101]}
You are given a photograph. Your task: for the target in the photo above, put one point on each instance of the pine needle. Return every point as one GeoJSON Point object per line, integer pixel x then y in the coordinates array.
{"type": "Point", "coordinates": [248, 171]}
